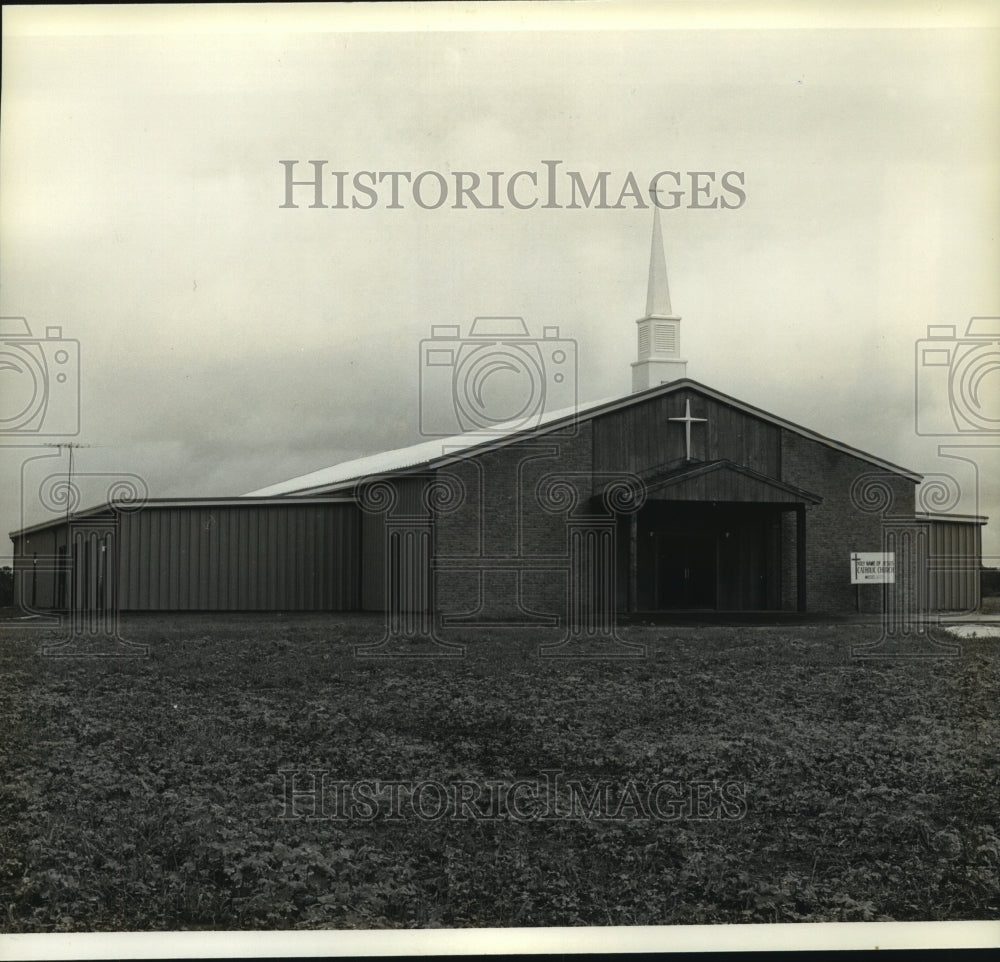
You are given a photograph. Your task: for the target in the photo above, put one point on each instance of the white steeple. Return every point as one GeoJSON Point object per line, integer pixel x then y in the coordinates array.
{"type": "Point", "coordinates": [658, 292]}
{"type": "Point", "coordinates": [659, 359]}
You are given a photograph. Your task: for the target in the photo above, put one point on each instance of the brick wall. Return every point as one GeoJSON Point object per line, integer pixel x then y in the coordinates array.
{"type": "Point", "coordinates": [502, 520]}
{"type": "Point", "coordinates": [840, 524]}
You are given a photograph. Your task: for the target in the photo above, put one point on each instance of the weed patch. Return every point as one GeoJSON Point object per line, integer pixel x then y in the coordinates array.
{"type": "Point", "coordinates": [146, 794]}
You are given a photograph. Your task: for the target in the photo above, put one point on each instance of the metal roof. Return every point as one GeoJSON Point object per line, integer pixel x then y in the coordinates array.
{"type": "Point", "coordinates": [441, 451]}
{"type": "Point", "coordinates": [436, 451]}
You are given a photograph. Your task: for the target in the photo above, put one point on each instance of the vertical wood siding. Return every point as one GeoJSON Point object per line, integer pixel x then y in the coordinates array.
{"type": "Point", "coordinates": [641, 437]}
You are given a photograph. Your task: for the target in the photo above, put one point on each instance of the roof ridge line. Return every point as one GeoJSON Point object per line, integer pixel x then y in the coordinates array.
{"type": "Point", "coordinates": [580, 414]}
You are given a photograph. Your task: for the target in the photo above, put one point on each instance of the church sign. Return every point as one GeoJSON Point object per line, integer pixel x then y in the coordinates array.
{"type": "Point", "coordinates": [869, 567]}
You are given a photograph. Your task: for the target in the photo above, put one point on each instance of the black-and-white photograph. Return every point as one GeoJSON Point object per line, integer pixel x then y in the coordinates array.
{"type": "Point", "coordinates": [518, 472]}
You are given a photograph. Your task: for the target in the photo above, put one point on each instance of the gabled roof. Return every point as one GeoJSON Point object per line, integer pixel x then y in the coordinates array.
{"type": "Point", "coordinates": [724, 480]}
{"type": "Point", "coordinates": [440, 452]}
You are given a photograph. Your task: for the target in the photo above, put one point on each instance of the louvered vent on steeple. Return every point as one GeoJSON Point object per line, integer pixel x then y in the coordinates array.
{"type": "Point", "coordinates": [658, 360]}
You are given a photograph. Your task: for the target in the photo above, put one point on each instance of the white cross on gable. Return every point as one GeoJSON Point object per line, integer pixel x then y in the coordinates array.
{"type": "Point", "coordinates": [688, 421]}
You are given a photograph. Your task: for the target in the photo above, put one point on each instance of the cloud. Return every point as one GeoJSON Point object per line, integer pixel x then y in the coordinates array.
{"type": "Point", "coordinates": [227, 343]}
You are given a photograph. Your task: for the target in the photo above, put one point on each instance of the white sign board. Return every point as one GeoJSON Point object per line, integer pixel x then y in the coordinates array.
{"type": "Point", "coordinates": [869, 567]}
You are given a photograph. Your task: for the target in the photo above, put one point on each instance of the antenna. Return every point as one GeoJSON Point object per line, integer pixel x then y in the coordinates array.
{"type": "Point", "coordinates": [70, 446]}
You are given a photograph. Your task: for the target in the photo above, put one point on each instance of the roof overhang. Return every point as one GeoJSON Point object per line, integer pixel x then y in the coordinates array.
{"type": "Point", "coordinates": [952, 518]}
{"type": "Point", "coordinates": [723, 481]}
{"type": "Point", "coordinates": [114, 508]}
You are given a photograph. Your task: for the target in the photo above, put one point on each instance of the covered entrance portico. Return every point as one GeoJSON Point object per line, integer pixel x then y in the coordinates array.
{"type": "Point", "coordinates": [715, 536]}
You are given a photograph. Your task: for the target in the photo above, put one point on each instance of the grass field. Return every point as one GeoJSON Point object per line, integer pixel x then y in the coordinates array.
{"type": "Point", "coordinates": [147, 793]}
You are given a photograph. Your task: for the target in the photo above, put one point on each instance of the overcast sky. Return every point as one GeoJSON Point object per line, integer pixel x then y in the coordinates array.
{"type": "Point", "coordinates": [227, 343]}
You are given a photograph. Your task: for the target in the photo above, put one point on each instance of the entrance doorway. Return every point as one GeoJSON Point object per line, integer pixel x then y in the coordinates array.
{"type": "Point", "coordinates": [686, 571]}
{"type": "Point", "coordinates": [703, 556]}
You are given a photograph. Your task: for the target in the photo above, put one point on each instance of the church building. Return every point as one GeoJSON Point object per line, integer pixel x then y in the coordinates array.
{"type": "Point", "coordinates": [674, 498]}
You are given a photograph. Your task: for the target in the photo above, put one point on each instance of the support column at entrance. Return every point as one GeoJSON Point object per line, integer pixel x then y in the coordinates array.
{"type": "Point", "coordinates": [633, 562]}
{"type": "Point", "coordinates": [800, 556]}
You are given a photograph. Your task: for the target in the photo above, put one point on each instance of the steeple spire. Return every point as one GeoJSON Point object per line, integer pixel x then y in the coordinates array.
{"type": "Point", "coordinates": [659, 359]}
{"type": "Point", "coordinates": [658, 292]}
